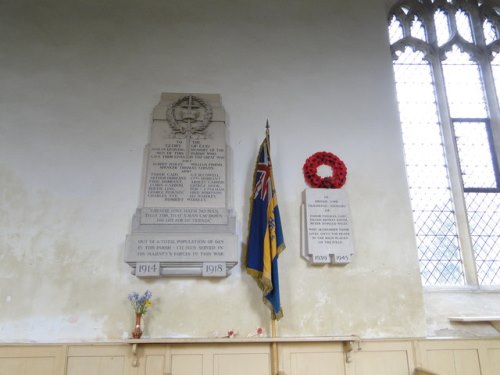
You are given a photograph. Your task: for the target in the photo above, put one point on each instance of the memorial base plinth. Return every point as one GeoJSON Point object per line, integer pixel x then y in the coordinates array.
{"type": "Point", "coordinates": [151, 254]}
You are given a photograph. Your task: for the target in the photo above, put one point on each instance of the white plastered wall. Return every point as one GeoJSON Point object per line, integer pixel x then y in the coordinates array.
{"type": "Point", "coordinates": [79, 82]}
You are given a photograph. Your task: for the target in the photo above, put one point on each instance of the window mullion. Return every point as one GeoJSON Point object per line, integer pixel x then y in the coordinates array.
{"type": "Point", "coordinates": [492, 102]}
{"type": "Point", "coordinates": [454, 174]}
{"type": "Point", "coordinates": [488, 82]}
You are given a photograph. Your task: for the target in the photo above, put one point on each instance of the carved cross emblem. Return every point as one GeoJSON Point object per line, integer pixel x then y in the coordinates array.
{"type": "Point", "coordinates": [189, 116]}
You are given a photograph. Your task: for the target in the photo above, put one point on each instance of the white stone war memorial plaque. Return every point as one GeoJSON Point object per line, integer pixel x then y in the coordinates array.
{"type": "Point", "coordinates": [184, 226]}
{"type": "Point", "coordinates": [328, 237]}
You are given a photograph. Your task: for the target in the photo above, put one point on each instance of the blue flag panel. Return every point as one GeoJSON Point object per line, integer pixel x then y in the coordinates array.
{"type": "Point", "coordinates": [265, 238]}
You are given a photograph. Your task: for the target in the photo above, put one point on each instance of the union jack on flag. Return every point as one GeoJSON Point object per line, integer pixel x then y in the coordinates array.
{"type": "Point", "coordinates": [265, 237]}
{"type": "Point", "coordinates": [262, 174]}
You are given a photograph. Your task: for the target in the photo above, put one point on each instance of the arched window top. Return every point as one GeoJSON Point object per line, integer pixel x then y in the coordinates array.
{"type": "Point", "coordinates": [408, 14]}
{"type": "Point", "coordinates": [417, 29]}
{"type": "Point", "coordinates": [463, 25]}
{"type": "Point", "coordinates": [395, 30]}
{"type": "Point", "coordinates": [490, 16]}
{"type": "Point", "coordinates": [442, 25]}
{"type": "Point", "coordinates": [490, 31]}
{"type": "Point", "coordinates": [472, 25]}
{"type": "Point", "coordinates": [463, 85]}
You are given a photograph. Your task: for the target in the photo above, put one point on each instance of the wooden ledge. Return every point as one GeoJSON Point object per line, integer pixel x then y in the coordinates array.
{"type": "Point", "coordinates": [243, 340]}
{"type": "Point", "coordinates": [346, 341]}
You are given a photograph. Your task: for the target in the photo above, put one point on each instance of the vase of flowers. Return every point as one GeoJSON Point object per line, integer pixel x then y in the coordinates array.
{"type": "Point", "coordinates": [140, 304]}
{"type": "Point", "coordinates": [137, 331]}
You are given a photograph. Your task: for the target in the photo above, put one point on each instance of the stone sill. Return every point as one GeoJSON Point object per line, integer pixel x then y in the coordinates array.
{"type": "Point", "coordinates": [493, 320]}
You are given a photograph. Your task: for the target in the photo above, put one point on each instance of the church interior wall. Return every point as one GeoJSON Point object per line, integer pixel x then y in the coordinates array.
{"type": "Point", "coordinates": [79, 82]}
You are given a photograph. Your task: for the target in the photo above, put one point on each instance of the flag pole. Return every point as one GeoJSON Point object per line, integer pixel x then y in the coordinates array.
{"type": "Point", "coordinates": [268, 139]}
{"type": "Point", "coordinates": [274, 345]}
{"type": "Point", "coordinates": [274, 349]}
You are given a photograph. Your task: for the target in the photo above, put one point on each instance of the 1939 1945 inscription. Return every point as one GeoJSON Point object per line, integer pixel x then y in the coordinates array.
{"type": "Point", "coordinates": [328, 226]}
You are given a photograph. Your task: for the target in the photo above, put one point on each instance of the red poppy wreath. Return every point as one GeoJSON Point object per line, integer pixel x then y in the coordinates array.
{"type": "Point", "coordinates": [339, 171]}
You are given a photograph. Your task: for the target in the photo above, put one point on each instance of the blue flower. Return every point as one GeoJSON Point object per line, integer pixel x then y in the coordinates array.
{"type": "Point", "coordinates": [140, 303]}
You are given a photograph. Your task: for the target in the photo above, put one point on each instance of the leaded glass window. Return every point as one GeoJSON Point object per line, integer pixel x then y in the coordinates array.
{"type": "Point", "coordinates": [447, 73]}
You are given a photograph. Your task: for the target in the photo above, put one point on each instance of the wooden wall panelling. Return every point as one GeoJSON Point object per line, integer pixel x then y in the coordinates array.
{"type": "Point", "coordinates": [154, 360]}
{"type": "Point", "coordinates": [27, 360]}
{"type": "Point", "coordinates": [230, 359]}
{"type": "Point", "coordinates": [312, 358]}
{"type": "Point", "coordinates": [190, 360]}
{"type": "Point", "coordinates": [242, 360]}
{"type": "Point", "coordinates": [382, 358]}
{"type": "Point", "coordinates": [455, 361]}
{"type": "Point", "coordinates": [372, 357]}
{"type": "Point", "coordinates": [100, 359]}
{"type": "Point", "coordinates": [489, 354]}
{"type": "Point", "coordinates": [448, 358]}
{"type": "Point", "coordinates": [461, 357]}
{"type": "Point", "coordinates": [493, 355]}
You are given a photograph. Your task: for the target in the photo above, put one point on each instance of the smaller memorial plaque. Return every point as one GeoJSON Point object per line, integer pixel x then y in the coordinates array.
{"type": "Point", "coordinates": [328, 226]}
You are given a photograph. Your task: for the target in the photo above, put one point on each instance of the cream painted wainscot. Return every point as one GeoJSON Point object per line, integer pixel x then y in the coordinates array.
{"type": "Point", "coordinates": [252, 356]}
{"type": "Point", "coordinates": [346, 347]}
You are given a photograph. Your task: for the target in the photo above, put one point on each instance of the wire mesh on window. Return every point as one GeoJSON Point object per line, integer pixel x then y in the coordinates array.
{"type": "Point", "coordinates": [433, 213]}
{"type": "Point", "coordinates": [474, 151]}
{"type": "Point", "coordinates": [483, 210]}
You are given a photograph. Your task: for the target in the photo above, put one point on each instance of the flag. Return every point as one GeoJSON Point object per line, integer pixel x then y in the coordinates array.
{"type": "Point", "coordinates": [265, 236]}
